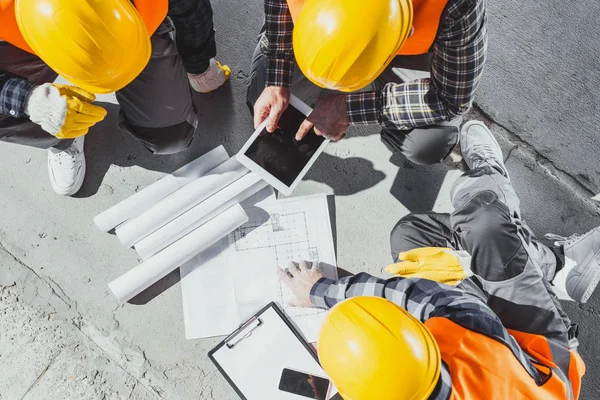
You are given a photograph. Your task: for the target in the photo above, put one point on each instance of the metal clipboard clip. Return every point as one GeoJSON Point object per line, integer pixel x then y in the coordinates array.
{"type": "Point", "coordinates": [243, 332]}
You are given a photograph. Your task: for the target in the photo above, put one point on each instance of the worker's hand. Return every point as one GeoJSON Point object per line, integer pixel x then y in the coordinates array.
{"type": "Point", "coordinates": [329, 118]}
{"type": "Point", "coordinates": [300, 277]}
{"type": "Point", "coordinates": [270, 105]}
{"type": "Point", "coordinates": [63, 111]}
{"type": "Point", "coordinates": [438, 264]}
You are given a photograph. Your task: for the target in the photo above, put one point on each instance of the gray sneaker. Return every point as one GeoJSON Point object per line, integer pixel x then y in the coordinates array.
{"type": "Point", "coordinates": [581, 273]}
{"type": "Point", "coordinates": [479, 147]}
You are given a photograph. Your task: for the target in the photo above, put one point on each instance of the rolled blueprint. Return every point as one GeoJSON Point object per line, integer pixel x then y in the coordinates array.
{"type": "Point", "coordinates": [151, 271]}
{"type": "Point", "coordinates": [146, 198]}
{"type": "Point", "coordinates": [198, 215]}
{"type": "Point", "coordinates": [180, 201]}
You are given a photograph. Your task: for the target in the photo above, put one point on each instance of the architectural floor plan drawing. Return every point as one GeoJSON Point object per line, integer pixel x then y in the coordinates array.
{"type": "Point", "coordinates": [227, 284]}
{"type": "Point", "coordinates": [286, 236]}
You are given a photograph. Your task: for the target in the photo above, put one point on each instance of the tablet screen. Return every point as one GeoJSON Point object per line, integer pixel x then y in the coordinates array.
{"type": "Point", "coordinates": [279, 153]}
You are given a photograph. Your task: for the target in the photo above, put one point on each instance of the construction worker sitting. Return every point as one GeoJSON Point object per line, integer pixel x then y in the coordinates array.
{"type": "Point", "coordinates": [424, 58]}
{"type": "Point", "coordinates": [474, 313]}
{"type": "Point", "coordinates": [104, 46]}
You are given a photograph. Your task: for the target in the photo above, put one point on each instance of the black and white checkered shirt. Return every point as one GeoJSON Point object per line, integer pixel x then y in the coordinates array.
{"type": "Point", "coordinates": [458, 56]}
{"type": "Point", "coordinates": [13, 95]}
{"type": "Point", "coordinates": [425, 299]}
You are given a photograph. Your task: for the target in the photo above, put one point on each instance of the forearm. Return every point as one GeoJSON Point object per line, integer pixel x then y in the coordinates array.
{"type": "Point", "coordinates": [193, 20]}
{"type": "Point", "coordinates": [279, 52]}
{"type": "Point", "coordinates": [420, 297]}
{"type": "Point", "coordinates": [14, 92]}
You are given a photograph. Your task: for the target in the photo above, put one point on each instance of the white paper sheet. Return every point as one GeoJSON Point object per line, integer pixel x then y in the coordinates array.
{"type": "Point", "coordinates": [147, 273]}
{"type": "Point", "coordinates": [146, 198]}
{"type": "Point", "coordinates": [235, 193]}
{"type": "Point", "coordinates": [172, 206]}
{"type": "Point", "coordinates": [286, 230]}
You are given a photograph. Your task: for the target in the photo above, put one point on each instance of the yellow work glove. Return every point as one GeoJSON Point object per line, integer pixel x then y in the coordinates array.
{"type": "Point", "coordinates": [63, 111]}
{"type": "Point", "coordinates": [438, 264]}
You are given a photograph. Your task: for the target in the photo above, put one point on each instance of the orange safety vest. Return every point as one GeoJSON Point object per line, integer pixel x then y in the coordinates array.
{"type": "Point", "coordinates": [427, 15]}
{"type": "Point", "coordinates": [153, 12]}
{"type": "Point", "coordinates": [483, 368]}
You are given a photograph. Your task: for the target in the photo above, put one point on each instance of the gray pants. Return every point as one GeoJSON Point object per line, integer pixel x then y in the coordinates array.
{"type": "Point", "coordinates": [512, 267]}
{"type": "Point", "coordinates": [156, 107]}
{"type": "Point", "coordinates": [425, 145]}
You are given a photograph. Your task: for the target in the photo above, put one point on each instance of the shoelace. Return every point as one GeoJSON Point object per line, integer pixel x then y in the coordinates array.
{"type": "Point", "coordinates": [486, 150]}
{"type": "Point", "coordinates": [561, 240]}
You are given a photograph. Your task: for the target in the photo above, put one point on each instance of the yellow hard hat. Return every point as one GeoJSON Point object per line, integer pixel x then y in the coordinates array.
{"type": "Point", "coordinates": [99, 45]}
{"type": "Point", "coordinates": [345, 44]}
{"type": "Point", "coordinates": [373, 349]}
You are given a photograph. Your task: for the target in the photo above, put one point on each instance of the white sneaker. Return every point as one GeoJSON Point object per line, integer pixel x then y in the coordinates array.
{"type": "Point", "coordinates": [479, 147]}
{"type": "Point", "coordinates": [212, 79]}
{"type": "Point", "coordinates": [67, 168]}
{"type": "Point", "coordinates": [581, 273]}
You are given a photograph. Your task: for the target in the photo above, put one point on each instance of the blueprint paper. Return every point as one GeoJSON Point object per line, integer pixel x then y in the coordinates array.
{"type": "Point", "coordinates": [150, 271]}
{"type": "Point", "coordinates": [146, 198]}
{"type": "Point", "coordinates": [172, 206]}
{"type": "Point", "coordinates": [277, 232]}
{"type": "Point", "coordinates": [198, 215]}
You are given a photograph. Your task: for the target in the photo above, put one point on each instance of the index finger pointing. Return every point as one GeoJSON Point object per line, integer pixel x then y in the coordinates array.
{"type": "Point", "coordinates": [303, 130]}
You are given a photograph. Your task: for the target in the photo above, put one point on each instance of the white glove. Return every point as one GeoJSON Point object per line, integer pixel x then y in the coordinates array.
{"type": "Point", "coordinates": [63, 111]}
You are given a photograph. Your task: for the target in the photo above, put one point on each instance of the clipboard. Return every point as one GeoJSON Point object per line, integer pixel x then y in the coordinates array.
{"type": "Point", "coordinates": [252, 358]}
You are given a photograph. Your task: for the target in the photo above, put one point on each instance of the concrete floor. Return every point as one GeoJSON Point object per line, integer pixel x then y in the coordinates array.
{"type": "Point", "coordinates": [62, 327]}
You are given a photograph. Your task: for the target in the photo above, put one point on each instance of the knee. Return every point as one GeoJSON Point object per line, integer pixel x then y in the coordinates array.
{"type": "Point", "coordinates": [432, 151]}
{"type": "Point", "coordinates": [423, 146]}
{"type": "Point", "coordinates": [167, 140]}
{"type": "Point", "coordinates": [403, 234]}
{"type": "Point", "coordinates": [403, 228]}
{"type": "Point", "coordinates": [487, 221]}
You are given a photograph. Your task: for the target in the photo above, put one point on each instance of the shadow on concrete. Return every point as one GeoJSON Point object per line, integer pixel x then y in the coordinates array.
{"type": "Point", "coordinates": [156, 289]}
{"type": "Point", "coordinates": [108, 145]}
{"type": "Point", "coordinates": [417, 186]}
{"type": "Point", "coordinates": [346, 176]}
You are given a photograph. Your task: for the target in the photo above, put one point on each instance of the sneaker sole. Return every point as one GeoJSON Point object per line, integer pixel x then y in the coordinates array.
{"type": "Point", "coordinates": [593, 278]}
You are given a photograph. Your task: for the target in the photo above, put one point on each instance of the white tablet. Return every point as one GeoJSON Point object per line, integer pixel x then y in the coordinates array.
{"type": "Point", "coordinates": [278, 157]}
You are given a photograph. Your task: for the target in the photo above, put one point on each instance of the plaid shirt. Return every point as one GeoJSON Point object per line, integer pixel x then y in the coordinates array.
{"type": "Point", "coordinates": [458, 56]}
{"type": "Point", "coordinates": [13, 95]}
{"type": "Point", "coordinates": [425, 299]}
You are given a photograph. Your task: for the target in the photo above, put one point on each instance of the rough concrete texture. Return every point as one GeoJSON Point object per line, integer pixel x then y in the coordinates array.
{"type": "Point", "coordinates": [69, 325]}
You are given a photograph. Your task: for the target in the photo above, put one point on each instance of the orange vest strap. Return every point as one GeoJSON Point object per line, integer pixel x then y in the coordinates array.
{"type": "Point", "coordinates": [153, 12]}
{"type": "Point", "coordinates": [484, 368]}
{"type": "Point", "coordinates": [538, 347]}
{"type": "Point", "coordinates": [426, 21]}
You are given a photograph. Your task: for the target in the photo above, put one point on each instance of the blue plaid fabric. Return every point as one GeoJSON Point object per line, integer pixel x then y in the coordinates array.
{"type": "Point", "coordinates": [13, 95]}
{"type": "Point", "coordinates": [458, 56]}
{"type": "Point", "coordinates": [426, 299]}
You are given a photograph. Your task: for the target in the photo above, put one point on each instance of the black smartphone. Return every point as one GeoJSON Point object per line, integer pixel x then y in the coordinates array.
{"type": "Point", "coordinates": [303, 384]}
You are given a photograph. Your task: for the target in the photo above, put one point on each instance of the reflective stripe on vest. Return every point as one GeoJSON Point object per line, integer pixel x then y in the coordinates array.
{"type": "Point", "coordinates": [153, 12]}
{"type": "Point", "coordinates": [426, 21]}
{"type": "Point", "coordinates": [484, 368]}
